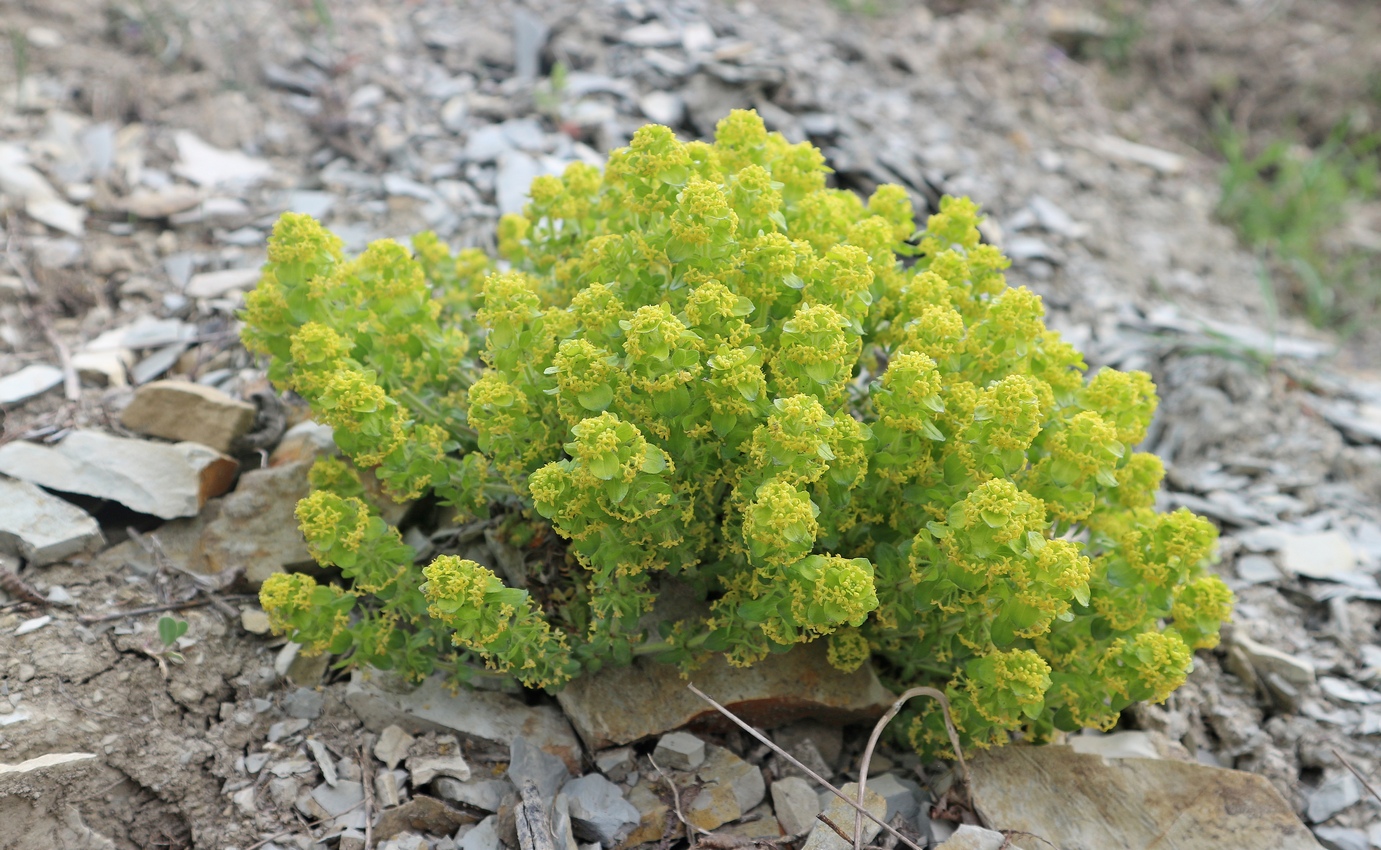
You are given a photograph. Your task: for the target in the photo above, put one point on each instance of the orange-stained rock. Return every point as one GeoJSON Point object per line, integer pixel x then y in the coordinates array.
{"type": "Point", "coordinates": [181, 410]}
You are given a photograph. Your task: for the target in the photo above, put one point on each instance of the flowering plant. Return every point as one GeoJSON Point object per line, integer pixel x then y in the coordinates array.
{"type": "Point", "coordinates": [702, 366]}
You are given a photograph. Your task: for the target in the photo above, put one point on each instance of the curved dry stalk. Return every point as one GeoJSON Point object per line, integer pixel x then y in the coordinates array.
{"type": "Point", "coordinates": [808, 772]}
{"type": "Point", "coordinates": [934, 694]}
{"type": "Point", "coordinates": [691, 829]}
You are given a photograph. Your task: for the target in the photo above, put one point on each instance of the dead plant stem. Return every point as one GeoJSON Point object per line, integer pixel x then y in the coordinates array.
{"type": "Point", "coordinates": [934, 694]}
{"type": "Point", "coordinates": [808, 772]}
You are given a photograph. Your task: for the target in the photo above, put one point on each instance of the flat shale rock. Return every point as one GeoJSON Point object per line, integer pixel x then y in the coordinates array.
{"type": "Point", "coordinates": [166, 480]}
{"type": "Point", "coordinates": [620, 705]}
{"type": "Point", "coordinates": [254, 528]}
{"type": "Point", "coordinates": [29, 382]}
{"type": "Point", "coordinates": [181, 410]}
{"type": "Point", "coordinates": [1086, 801]}
{"type": "Point", "coordinates": [485, 716]}
{"type": "Point", "coordinates": [421, 813]}
{"type": "Point", "coordinates": [40, 527]}
{"type": "Point", "coordinates": [842, 814]}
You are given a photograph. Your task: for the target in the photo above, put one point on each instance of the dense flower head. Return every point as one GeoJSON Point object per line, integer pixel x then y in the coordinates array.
{"type": "Point", "coordinates": [716, 376]}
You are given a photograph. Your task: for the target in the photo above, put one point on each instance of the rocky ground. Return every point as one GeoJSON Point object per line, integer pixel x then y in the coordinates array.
{"type": "Point", "coordinates": [145, 150]}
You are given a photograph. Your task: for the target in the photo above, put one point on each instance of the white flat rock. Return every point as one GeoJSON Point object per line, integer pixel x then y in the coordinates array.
{"type": "Point", "coordinates": [207, 165]}
{"type": "Point", "coordinates": [28, 382]}
{"type": "Point", "coordinates": [40, 527]}
{"type": "Point", "coordinates": [167, 480]}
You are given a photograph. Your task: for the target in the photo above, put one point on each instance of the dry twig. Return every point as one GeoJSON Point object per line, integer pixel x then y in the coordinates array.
{"type": "Point", "coordinates": [19, 589]}
{"type": "Point", "coordinates": [1355, 772]}
{"type": "Point", "coordinates": [367, 780]}
{"type": "Point", "coordinates": [676, 805]}
{"type": "Point", "coordinates": [90, 619]}
{"type": "Point", "coordinates": [934, 694]}
{"type": "Point", "coordinates": [808, 772]}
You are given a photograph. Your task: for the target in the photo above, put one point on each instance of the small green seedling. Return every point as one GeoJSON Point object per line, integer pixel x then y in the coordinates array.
{"type": "Point", "coordinates": [169, 630]}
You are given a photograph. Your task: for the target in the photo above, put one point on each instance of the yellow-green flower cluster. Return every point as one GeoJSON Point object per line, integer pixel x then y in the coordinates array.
{"type": "Point", "coordinates": [705, 367]}
{"type": "Point", "coordinates": [500, 623]}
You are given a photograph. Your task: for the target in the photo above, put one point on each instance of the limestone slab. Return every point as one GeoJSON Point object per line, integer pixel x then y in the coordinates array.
{"type": "Point", "coordinates": [1077, 800]}
{"type": "Point", "coordinates": [42, 528]}
{"type": "Point", "coordinates": [167, 480]}
{"type": "Point", "coordinates": [620, 705]}
{"type": "Point", "coordinates": [485, 716]}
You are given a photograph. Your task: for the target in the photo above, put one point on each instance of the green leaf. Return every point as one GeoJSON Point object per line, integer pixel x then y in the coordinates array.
{"type": "Point", "coordinates": [169, 630]}
{"type": "Point", "coordinates": [597, 399]}
{"type": "Point", "coordinates": [653, 461]}
{"type": "Point", "coordinates": [605, 466]}
{"type": "Point", "coordinates": [821, 373]}
{"type": "Point", "coordinates": [994, 520]}
{"type": "Point", "coordinates": [723, 423]}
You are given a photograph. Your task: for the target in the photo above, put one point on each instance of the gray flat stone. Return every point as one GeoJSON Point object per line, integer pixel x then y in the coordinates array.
{"type": "Point", "coordinates": [1336, 793]}
{"type": "Point", "coordinates": [795, 803]}
{"type": "Point", "coordinates": [970, 837]}
{"type": "Point", "coordinates": [207, 165]}
{"type": "Point", "coordinates": [902, 795]}
{"type": "Point", "coordinates": [483, 794]}
{"type": "Point", "coordinates": [723, 767]}
{"type": "Point", "coordinates": [528, 761]}
{"type": "Point", "coordinates": [517, 170]}
{"type": "Point", "coordinates": [679, 750]}
{"type": "Point", "coordinates": [254, 529]}
{"type": "Point", "coordinates": [324, 761]}
{"type": "Point", "coordinates": [166, 480]}
{"type": "Point", "coordinates": [303, 703]}
{"type": "Point", "coordinates": [284, 728]}
{"type": "Point", "coordinates": [218, 284]}
{"type": "Point", "coordinates": [529, 37]}
{"type": "Point", "coordinates": [340, 799]}
{"type": "Point", "coordinates": [1285, 674]}
{"type": "Point", "coordinates": [386, 789]}
{"type": "Point", "coordinates": [824, 838]}
{"type": "Point", "coordinates": [28, 382]}
{"type": "Point", "coordinates": [424, 769]}
{"type": "Point", "coordinates": [42, 528]}
{"type": "Point", "coordinates": [598, 810]}
{"type": "Point", "coordinates": [157, 363]}
{"type": "Point", "coordinates": [476, 715]}
{"type": "Point", "coordinates": [1341, 838]}
{"type": "Point", "coordinates": [616, 764]}
{"type": "Point", "coordinates": [485, 836]}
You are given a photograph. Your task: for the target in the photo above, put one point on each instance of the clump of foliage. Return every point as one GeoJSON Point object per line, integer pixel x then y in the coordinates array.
{"type": "Point", "coordinates": [1292, 205]}
{"type": "Point", "coordinates": [702, 366]}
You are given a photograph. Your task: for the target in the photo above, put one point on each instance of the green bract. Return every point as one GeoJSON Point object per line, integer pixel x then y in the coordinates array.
{"type": "Point", "coordinates": [704, 367]}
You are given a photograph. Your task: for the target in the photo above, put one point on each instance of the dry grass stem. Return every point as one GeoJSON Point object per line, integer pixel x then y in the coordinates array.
{"type": "Point", "coordinates": [676, 805]}
{"type": "Point", "coordinates": [934, 694]}
{"type": "Point", "coordinates": [808, 772]}
{"type": "Point", "coordinates": [1355, 772]}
